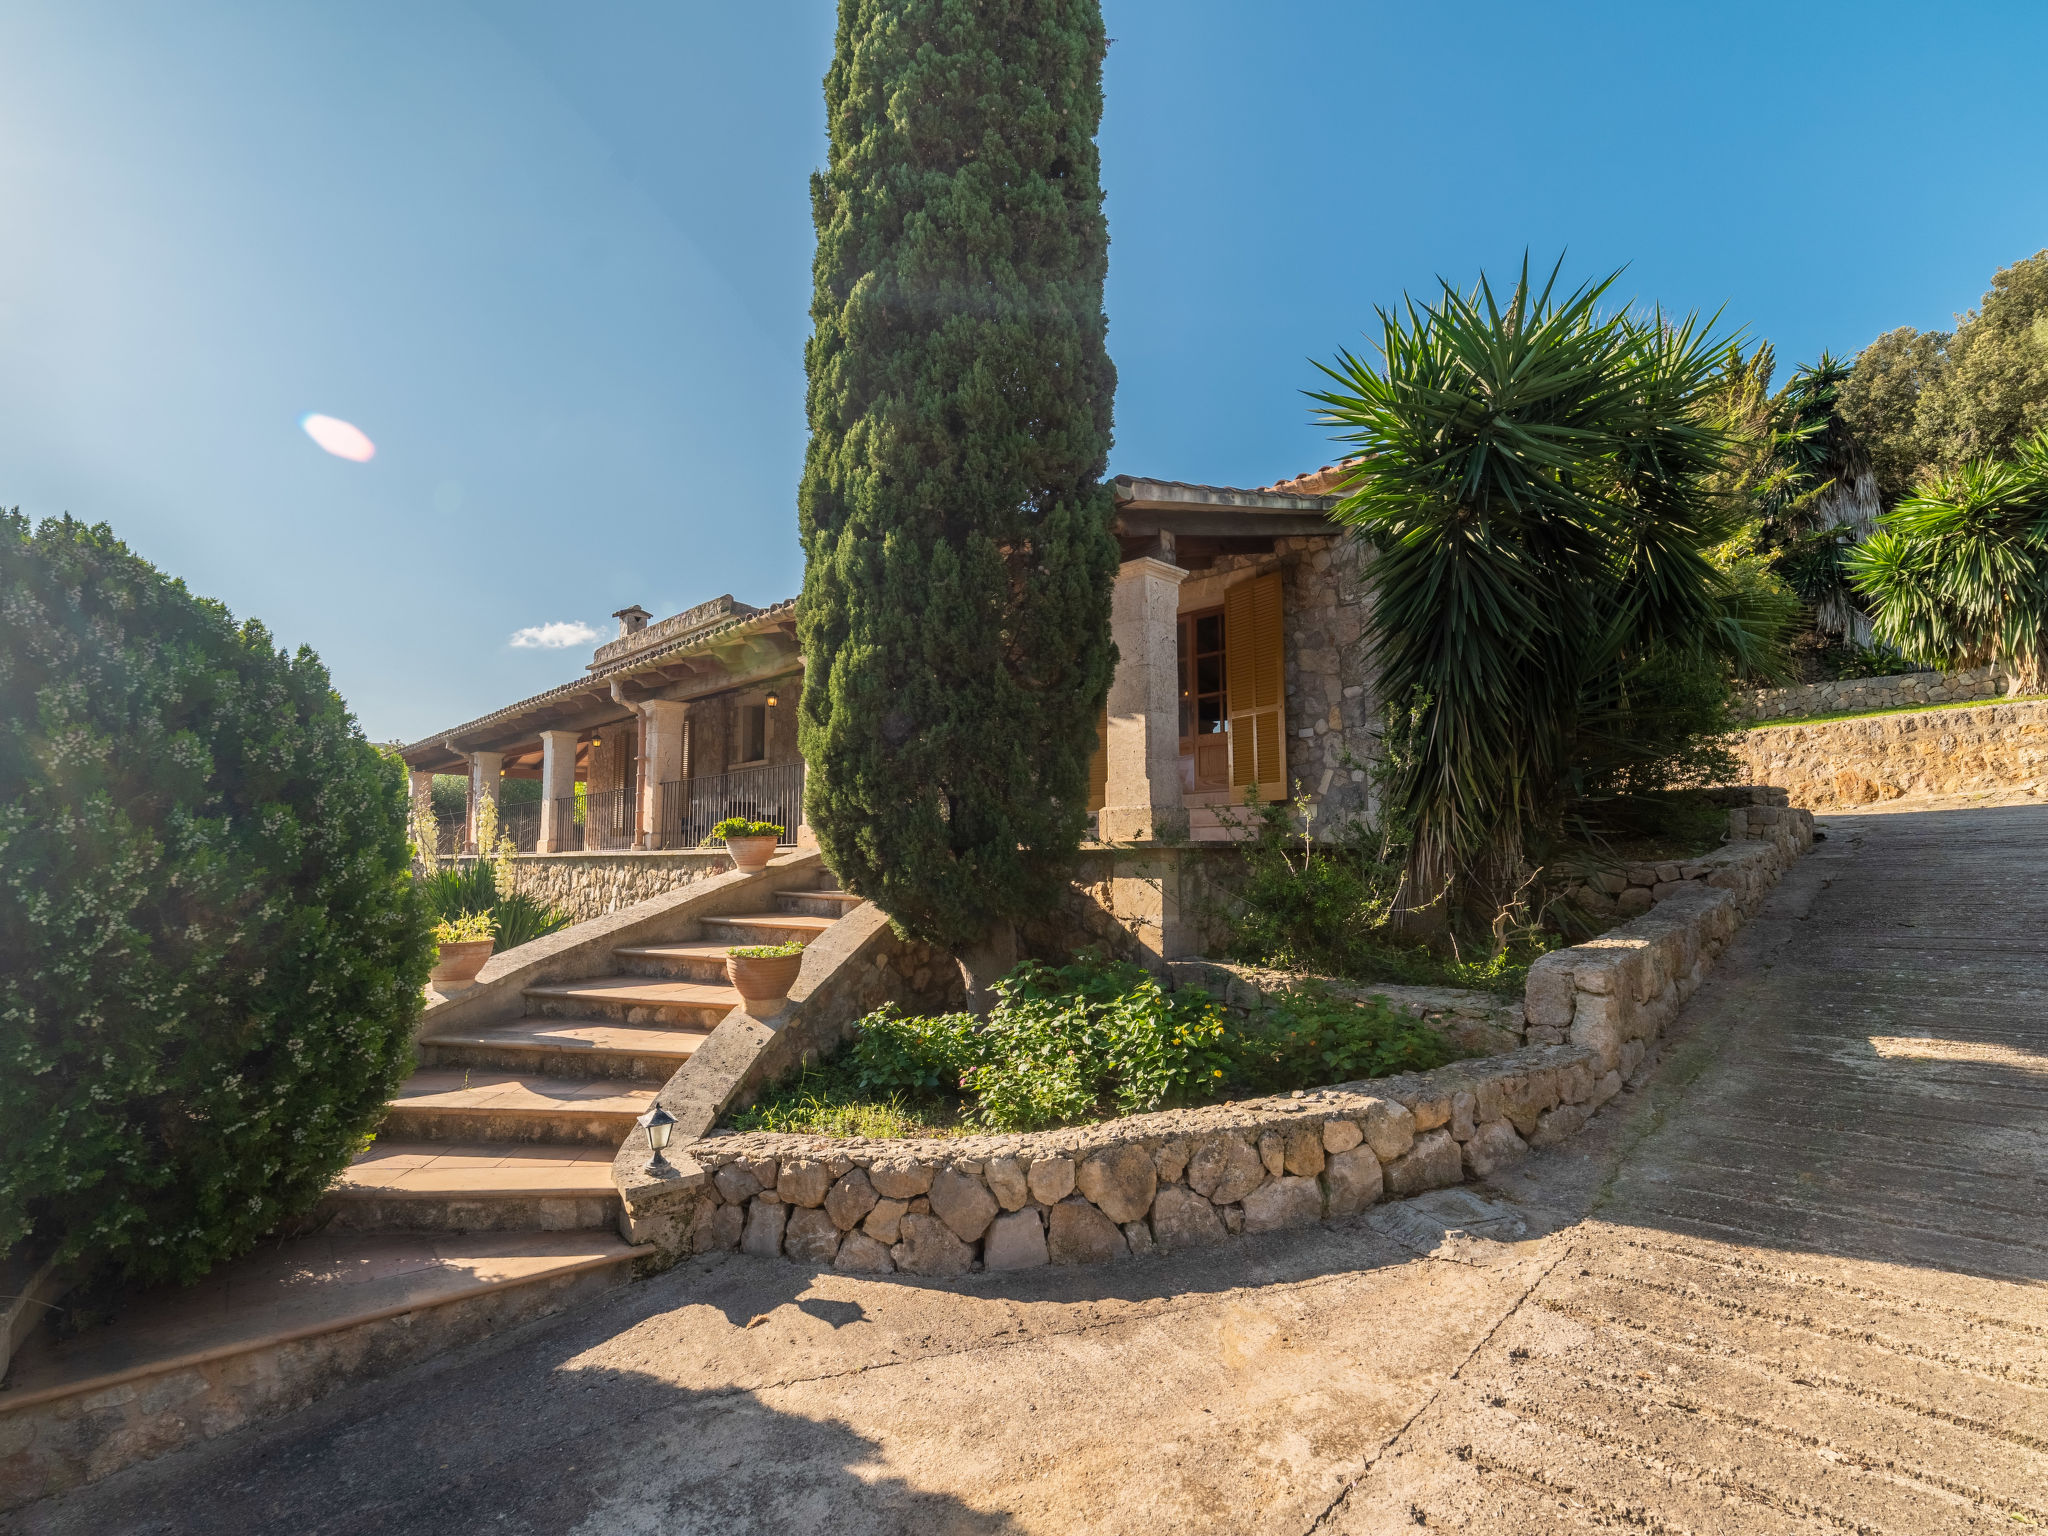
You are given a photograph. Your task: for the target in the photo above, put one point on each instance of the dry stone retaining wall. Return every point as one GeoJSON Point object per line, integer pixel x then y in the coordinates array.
{"type": "Point", "coordinates": [1905, 691]}
{"type": "Point", "coordinates": [1888, 757]}
{"type": "Point", "coordinates": [1186, 1178]}
{"type": "Point", "coordinates": [587, 885]}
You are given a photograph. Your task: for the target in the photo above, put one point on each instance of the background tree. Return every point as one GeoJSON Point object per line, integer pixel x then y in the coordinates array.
{"type": "Point", "coordinates": [1934, 400]}
{"type": "Point", "coordinates": [955, 614]}
{"type": "Point", "coordinates": [1958, 574]}
{"type": "Point", "coordinates": [215, 956]}
{"type": "Point", "coordinates": [1535, 477]}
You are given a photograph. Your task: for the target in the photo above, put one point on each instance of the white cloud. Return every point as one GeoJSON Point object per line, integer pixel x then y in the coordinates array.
{"type": "Point", "coordinates": [553, 637]}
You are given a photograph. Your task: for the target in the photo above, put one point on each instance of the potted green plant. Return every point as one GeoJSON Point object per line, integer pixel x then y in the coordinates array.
{"type": "Point", "coordinates": [762, 974]}
{"type": "Point", "coordinates": [466, 942]}
{"type": "Point", "coordinates": [751, 843]}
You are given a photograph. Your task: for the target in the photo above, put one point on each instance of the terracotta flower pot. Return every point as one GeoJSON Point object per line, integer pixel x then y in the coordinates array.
{"type": "Point", "coordinates": [763, 984]}
{"type": "Point", "coordinates": [460, 962]}
{"type": "Point", "coordinates": [750, 854]}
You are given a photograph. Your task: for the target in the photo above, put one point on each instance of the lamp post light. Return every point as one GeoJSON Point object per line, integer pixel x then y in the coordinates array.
{"type": "Point", "coordinates": [659, 1125]}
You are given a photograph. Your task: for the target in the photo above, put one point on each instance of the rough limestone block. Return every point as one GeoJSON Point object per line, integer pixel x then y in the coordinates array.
{"type": "Point", "coordinates": [1008, 1183]}
{"type": "Point", "coordinates": [1575, 1082]}
{"type": "Point", "coordinates": [810, 1237]}
{"type": "Point", "coordinates": [736, 1183]}
{"type": "Point", "coordinates": [1632, 1053]}
{"type": "Point", "coordinates": [1431, 1107]}
{"type": "Point", "coordinates": [719, 1230]}
{"type": "Point", "coordinates": [1605, 1088]}
{"type": "Point", "coordinates": [928, 1247]}
{"type": "Point", "coordinates": [1599, 1026]}
{"type": "Point", "coordinates": [1547, 995]}
{"type": "Point", "coordinates": [885, 1222]}
{"type": "Point", "coordinates": [1120, 1182]}
{"type": "Point", "coordinates": [1080, 1234]}
{"type": "Point", "coordinates": [1305, 1150]}
{"type": "Point", "coordinates": [860, 1254]}
{"type": "Point", "coordinates": [1494, 1145]}
{"type": "Point", "coordinates": [1051, 1179]}
{"type": "Point", "coordinates": [1463, 1103]}
{"type": "Point", "coordinates": [1390, 1127]}
{"type": "Point", "coordinates": [1664, 888]}
{"type": "Point", "coordinates": [764, 1170]}
{"type": "Point", "coordinates": [765, 1221]}
{"type": "Point", "coordinates": [1138, 1238]}
{"type": "Point", "coordinates": [901, 1178]}
{"type": "Point", "coordinates": [1273, 1153]}
{"type": "Point", "coordinates": [850, 1199]}
{"type": "Point", "coordinates": [1354, 1181]}
{"type": "Point", "coordinates": [1183, 1219]}
{"type": "Point", "coordinates": [1170, 1161]}
{"type": "Point", "coordinates": [1233, 1218]}
{"type": "Point", "coordinates": [803, 1182]}
{"type": "Point", "coordinates": [1559, 1124]}
{"type": "Point", "coordinates": [1286, 1202]}
{"type": "Point", "coordinates": [962, 1203]}
{"type": "Point", "coordinates": [1224, 1168]}
{"type": "Point", "coordinates": [1531, 1094]}
{"type": "Point", "coordinates": [1634, 901]}
{"type": "Point", "coordinates": [1341, 1135]}
{"type": "Point", "coordinates": [1434, 1163]}
{"type": "Point", "coordinates": [1015, 1241]}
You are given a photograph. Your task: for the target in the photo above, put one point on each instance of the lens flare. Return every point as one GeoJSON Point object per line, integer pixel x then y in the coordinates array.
{"type": "Point", "coordinates": [343, 439]}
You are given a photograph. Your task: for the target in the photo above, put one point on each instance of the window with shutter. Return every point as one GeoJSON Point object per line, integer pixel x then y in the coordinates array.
{"type": "Point", "coordinates": [1256, 686]}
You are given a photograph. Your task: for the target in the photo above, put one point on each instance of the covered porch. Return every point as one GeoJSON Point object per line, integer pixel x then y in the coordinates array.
{"type": "Point", "coordinates": [677, 726]}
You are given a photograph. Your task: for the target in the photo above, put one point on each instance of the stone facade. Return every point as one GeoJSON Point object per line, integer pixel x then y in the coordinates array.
{"type": "Point", "coordinates": [1887, 757]}
{"type": "Point", "coordinates": [1333, 722]}
{"type": "Point", "coordinates": [1906, 691]}
{"type": "Point", "coordinates": [587, 885]}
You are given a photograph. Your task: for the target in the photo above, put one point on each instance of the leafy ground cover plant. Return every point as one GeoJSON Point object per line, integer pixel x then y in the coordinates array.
{"type": "Point", "coordinates": [214, 950]}
{"type": "Point", "coordinates": [780, 951]}
{"type": "Point", "coordinates": [466, 928]}
{"type": "Point", "coordinates": [1084, 1041]}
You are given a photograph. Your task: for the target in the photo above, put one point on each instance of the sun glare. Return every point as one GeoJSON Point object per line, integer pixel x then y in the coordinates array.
{"type": "Point", "coordinates": [343, 439]}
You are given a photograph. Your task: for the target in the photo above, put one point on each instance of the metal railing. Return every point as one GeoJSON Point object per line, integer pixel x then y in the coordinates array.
{"type": "Point", "coordinates": [610, 819]}
{"type": "Point", "coordinates": [690, 808]}
{"type": "Point", "coordinates": [521, 823]}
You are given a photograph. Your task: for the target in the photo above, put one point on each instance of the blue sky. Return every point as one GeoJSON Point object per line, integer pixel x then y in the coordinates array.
{"type": "Point", "coordinates": [555, 261]}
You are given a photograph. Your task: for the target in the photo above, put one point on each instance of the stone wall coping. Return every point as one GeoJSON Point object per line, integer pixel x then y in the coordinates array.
{"type": "Point", "coordinates": [599, 855]}
{"type": "Point", "coordinates": [1421, 1093]}
{"type": "Point", "coordinates": [584, 949]}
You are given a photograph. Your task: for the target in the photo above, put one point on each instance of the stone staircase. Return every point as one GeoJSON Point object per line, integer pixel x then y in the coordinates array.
{"type": "Point", "coordinates": [512, 1126]}
{"type": "Point", "coordinates": [485, 1200]}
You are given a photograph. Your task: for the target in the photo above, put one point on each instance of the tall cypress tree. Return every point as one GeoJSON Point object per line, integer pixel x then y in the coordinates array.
{"type": "Point", "coordinates": [955, 615]}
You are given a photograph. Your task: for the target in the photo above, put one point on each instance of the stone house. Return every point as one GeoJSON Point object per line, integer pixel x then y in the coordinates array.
{"type": "Point", "coordinates": [1238, 615]}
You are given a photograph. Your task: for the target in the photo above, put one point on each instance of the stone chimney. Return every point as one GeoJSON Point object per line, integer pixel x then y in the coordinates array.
{"type": "Point", "coordinates": [632, 620]}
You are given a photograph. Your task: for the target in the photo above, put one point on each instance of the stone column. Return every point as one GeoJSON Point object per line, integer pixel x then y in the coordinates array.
{"type": "Point", "coordinates": [486, 774]}
{"type": "Point", "coordinates": [1141, 801]}
{"type": "Point", "coordinates": [557, 783]}
{"type": "Point", "coordinates": [662, 753]}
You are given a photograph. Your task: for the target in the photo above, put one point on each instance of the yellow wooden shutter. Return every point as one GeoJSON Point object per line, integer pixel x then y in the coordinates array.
{"type": "Point", "coordinates": [1256, 682]}
{"type": "Point", "coordinates": [1098, 765]}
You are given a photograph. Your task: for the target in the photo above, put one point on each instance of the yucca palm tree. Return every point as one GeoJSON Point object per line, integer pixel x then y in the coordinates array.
{"type": "Point", "coordinates": [1533, 475]}
{"type": "Point", "coordinates": [1957, 575]}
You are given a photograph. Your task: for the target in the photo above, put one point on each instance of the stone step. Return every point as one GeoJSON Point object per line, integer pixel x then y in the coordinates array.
{"type": "Point", "coordinates": [469, 1105]}
{"type": "Point", "coordinates": [827, 881]}
{"type": "Point", "coordinates": [831, 904]}
{"type": "Point", "coordinates": [702, 961]}
{"type": "Point", "coordinates": [440, 1186]}
{"type": "Point", "coordinates": [272, 1331]}
{"type": "Point", "coordinates": [562, 1047]}
{"type": "Point", "coordinates": [764, 928]}
{"type": "Point", "coordinates": [1205, 825]}
{"type": "Point", "coordinates": [667, 1002]}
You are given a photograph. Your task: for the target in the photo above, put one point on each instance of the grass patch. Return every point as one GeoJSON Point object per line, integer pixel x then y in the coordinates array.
{"type": "Point", "coordinates": [1086, 1041]}
{"type": "Point", "coordinates": [1900, 709]}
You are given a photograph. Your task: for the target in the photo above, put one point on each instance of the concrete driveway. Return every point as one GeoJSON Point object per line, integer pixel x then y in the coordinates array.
{"type": "Point", "coordinates": [1794, 1283]}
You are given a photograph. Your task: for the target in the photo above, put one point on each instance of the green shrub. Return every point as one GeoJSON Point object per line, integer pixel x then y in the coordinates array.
{"type": "Point", "coordinates": [1083, 1041]}
{"type": "Point", "coordinates": [473, 887]}
{"type": "Point", "coordinates": [742, 826]}
{"type": "Point", "coordinates": [214, 953]}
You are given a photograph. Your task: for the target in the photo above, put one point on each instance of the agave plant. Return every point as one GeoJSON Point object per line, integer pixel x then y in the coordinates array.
{"type": "Point", "coordinates": [1534, 477]}
{"type": "Point", "coordinates": [1957, 575]}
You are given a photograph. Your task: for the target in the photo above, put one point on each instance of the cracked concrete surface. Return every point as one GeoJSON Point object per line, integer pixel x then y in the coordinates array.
{"type": "Point", "coordinates": [1794, 1283]}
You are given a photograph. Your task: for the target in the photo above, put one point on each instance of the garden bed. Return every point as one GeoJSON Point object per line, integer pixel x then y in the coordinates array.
{"type": "Point", "coordinates": [1092, 1040]}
